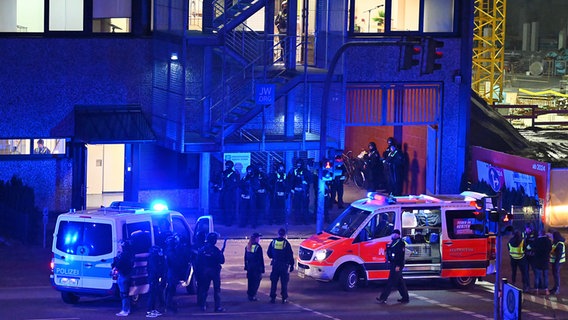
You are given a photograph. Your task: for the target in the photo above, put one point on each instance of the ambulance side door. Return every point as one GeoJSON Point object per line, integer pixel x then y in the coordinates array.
{"type": "Point", "coordinates": [464, 247]}
{"type": "Point", "coordinates": [372, 241]}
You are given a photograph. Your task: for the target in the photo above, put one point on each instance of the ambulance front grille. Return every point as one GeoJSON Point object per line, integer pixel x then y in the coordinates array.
{"type": "Point", "coordinates": [305, 254]}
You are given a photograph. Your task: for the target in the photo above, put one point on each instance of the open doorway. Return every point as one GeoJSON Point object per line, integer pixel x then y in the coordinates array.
{"type": "Point", "coordinates": [105, 174]}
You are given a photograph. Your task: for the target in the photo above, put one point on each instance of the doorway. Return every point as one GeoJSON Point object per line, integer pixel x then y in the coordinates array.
{"type": "Point", "coordinates": [105, 174]}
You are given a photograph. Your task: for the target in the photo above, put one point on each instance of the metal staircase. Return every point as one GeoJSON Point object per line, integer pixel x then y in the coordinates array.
{"type": "Point", "coordinates": [231, 104]}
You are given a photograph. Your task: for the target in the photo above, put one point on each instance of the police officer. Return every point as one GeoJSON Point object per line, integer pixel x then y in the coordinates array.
{"type": "Point", "coordinates": [280, 251]}
{"type": "Point", "coordinates": [261, 186]}
{"type": "Point", "coordinates": [557, 258]}
{"type": "Point", "coordinates": [518, 259]}
{"type": "Point", "coordinates": [298, 179]}
{"type": "Point", "coordinates": [229, 188]}
{"type": "Point", "coordinates": [279, 194]}
{"type": "Point", "coordinates": [395, 168]}
{"type": "Point", "coordinates": [208, 269]}
{"type": "Point", "coordinates": [375, 171]}
{"type": "Point", "coordinates": [157, 271]}
{"type": "Point", "coordinates": [254, 265]}
{"type": "Point", "coordinates": [123, 264]}
{"type": "Point", "coordinates": [247, 211]}
{"type": "Point", "coordinates": [339, 174]}
{"type": "Point", "coordinates": [395, 257]}
{"type": "Point", "coordinates": [177, 260]}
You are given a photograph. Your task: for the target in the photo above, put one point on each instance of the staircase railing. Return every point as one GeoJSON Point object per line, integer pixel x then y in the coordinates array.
{"type": "Point", "coordinates": [244, 41]}
{"type": "Point", "coordinates": [262, 156]}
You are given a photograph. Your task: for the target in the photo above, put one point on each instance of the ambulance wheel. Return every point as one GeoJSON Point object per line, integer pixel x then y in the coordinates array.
{"type": "Point", "coordinates": [69, 297]}
{"type": "Point", "coordinates": [349, 278]}
{"type": "Point", "coordinates": [463, 282]}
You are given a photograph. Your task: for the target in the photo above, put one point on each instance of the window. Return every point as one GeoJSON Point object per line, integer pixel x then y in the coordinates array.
{"type": "Point", "coordinates": [89, 239]}
{"type": "Point", "coordinates": [21, 15]}
{"type": "Point", "coordinates": [40, 146]}
{"type": "Point", "coordinates": [347, 222]}
{"type": "Point", "coordinates": [464, 224]}
{"type": "Point", "coordinates": [112, 16]}
{"type": "Point", "coordinates": [66, 15]}
{"type": "Point", "coordinates": [418, 225]}
{"type": "Point", "coordinates": [139, 235]}
{"type": "Point", "coordinates": [395, 16]}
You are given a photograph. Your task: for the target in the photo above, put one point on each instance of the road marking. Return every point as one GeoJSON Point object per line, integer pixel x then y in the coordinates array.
{"type": "Point", "coordinates": [450, 307]}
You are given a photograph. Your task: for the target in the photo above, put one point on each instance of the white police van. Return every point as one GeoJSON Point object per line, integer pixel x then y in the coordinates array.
{"type": "Point", "coordinates": [86, 242]}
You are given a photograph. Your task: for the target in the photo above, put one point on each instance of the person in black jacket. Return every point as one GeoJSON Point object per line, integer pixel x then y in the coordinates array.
{"type": "Point", "coordinates": [279, 189]}
{"type": "Point", "coordinates": [280, 251]}
{"type": "Point", "coordinates": [157, 271]}
{"type": "Point", "coordinates": [254, 265]}
{"type": "Point", "coordinates": [123, 265]}
{"type": "Point", "coordinates": [395, 257]}
{"type": "Point", "coordinates": [228, 189]}
{"type": "Point", "coordinates": [208, 269]}
{"type": "Point", "coordinates": [542, 247]}
{"type": "Point", "coordinates": [178, 256]}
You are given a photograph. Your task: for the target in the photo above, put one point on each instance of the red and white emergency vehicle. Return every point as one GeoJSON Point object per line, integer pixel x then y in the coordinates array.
{"type": "Point", "coordinates": [446, 237]}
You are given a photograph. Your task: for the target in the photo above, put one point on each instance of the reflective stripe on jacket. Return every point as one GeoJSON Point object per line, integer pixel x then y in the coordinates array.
{"type": "Point", "coordinates": [553, 253]}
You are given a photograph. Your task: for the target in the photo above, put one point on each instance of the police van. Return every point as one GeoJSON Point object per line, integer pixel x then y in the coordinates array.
{"type": "Point", "coordinates": [445, 236]}
{"type": "Point", "coordinates": [86, 242]}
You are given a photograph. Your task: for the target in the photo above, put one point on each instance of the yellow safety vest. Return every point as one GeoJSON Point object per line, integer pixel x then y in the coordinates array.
{"type": "Point", "coordinates": [553, 253]}
{"type": "Point", "coordinates": [279, 244]}
{"type": "Point", "coordinates": [517, 252]}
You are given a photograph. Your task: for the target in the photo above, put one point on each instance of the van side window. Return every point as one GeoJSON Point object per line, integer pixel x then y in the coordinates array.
{"type": "Point", "coordinates": [139, 234]}
{"type": "Point", "coordinates": [420, 224]}
{"type": "Point", "coordinates": [465, 224]}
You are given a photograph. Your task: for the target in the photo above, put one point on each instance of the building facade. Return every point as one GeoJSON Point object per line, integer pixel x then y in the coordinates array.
{"type": "Point", "coordinates": [182, 84]}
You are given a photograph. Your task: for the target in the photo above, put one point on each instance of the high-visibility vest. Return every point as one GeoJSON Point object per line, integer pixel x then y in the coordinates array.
{"type": "Point", "coordinates": [517, 252]}
{"type": "Point", "coordinates": [553, 252]}
{"type": "Point", "coordinates": [279, 244]}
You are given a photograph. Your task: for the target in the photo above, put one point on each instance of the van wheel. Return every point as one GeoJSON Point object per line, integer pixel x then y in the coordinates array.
{"type": "Point", "coordinates": [463, 282]}
{"type": "Point", "coordinates": [349, 278]}
{"type": "Point", "coordinates": [69, 298]}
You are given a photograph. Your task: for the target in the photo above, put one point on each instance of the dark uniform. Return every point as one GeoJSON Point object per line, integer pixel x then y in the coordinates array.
{"type": "Point", "coordinates": [395, 169]}
{"type": "Point", "coordinates": [254, 265]}
{"type": "Point", "coordinates": [279, 194]}
{"type": "Point", "coordinates": [375, 171]}
{"type": "Point", "coordinates": [395, 257]}
{"type": "Point", "coordinates": [124, 265]}
{"type": "Point", "coordinates": [178, 256]}
{"type": "Point", "coordinates": [298, 180]}
{"type": "Point", "coordinates": [247, 212]}
{"type": "Point", "coordinates": [229, 188]}
{"type": "Point", "coordinates": [339, 174]}
{"type": "Point", "coordinates": [157, 270]}
{"type": "Point", "coordinates": [208, 269]}
{"type": "Point", "coordinates": [260, 187]}
{"type": "Point", "coordinates": [280, 251]}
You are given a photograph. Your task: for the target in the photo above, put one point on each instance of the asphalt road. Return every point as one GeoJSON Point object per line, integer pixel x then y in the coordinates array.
{"type": "Point", "coordinates": [25, 293]}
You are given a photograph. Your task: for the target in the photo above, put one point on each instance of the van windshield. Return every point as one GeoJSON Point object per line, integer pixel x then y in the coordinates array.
{"type": "Point", "coordinates": [87, 239]}
{"type": "Point", "coordinates": [347, 222]}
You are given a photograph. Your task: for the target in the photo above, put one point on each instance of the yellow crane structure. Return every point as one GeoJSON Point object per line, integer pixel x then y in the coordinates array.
{"type": "Point", "coordinates": [489, 49]}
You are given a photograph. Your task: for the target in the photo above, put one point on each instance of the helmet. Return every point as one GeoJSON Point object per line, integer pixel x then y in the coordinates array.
{"type": "Point", "coordinates": [229, 163]}
{"type": "Point", "coordinates": [212, 238]}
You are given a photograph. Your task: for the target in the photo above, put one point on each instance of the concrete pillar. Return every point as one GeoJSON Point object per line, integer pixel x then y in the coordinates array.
{"type": "Point", "coordinates": [534, 36]}
{"type": "Point", "coordinates": [204, 178]}
{"type": "Point", "coordinates": [526, 36]}
{"type": "Point", "coordinates": [562, 39]}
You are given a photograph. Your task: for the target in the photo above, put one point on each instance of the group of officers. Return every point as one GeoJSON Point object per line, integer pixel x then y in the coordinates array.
{"type": "Point", "coordinates": [258, 195]}
{"type": "Point", "coordinates": [538, 251]}
{"type": "Point", "coordinates": [170, 258]}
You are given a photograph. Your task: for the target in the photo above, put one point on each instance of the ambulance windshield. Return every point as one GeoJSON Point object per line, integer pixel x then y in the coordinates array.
{"type": "Point", "coordinates": [347, 222]}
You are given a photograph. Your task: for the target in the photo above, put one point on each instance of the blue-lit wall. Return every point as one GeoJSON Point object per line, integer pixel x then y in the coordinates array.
{"type": "Point", "coordinates": [42, 80]}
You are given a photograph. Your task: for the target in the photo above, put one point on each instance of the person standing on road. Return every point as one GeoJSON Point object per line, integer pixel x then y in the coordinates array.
{"type": "Point", "coordinates": [254, 265]}
{"type": "Point", "coordinates": [542, 247]}
{"type": "Point", "coordinates": [557, 258]}
{"type": "Point", "coordinates": [530, 237]}
{"type": "Point", "coordinates": [228, 188]}
{"type": "Point", "coordinates": [518, 259]}
{"type": "Point", "coordinates": [280, 251]}
{"type": "Point", "coordinates": [208, 269]}
{"type": "Point", "coordinates": [299, 182]}
{"type": "Point", "coordinates": [157, 271]}
{"type": "Point", "coordinates": [395, 257]}
{"type": "Point", "coordinates": [123, 265]}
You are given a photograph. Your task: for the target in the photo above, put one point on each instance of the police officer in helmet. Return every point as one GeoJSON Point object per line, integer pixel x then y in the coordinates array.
{"type": "Point", "coordinates": [208, 269]}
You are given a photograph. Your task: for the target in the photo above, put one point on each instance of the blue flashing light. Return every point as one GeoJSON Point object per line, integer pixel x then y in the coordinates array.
{"type": "Point", "coordinates": [159, 205]}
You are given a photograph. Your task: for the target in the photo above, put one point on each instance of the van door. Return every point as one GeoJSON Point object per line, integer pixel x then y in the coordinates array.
{"type": "Point", "coordinates": [138, 229]}
{"type": "Point", "coordinates": [372, 241]}
{"type": "Point", "coordinates": [464, 245]}
{"type": "Point", "coordinates": [83, 251]}
{"type": "Point", "coordinates": [420, 231]}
